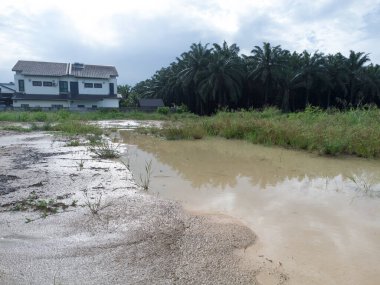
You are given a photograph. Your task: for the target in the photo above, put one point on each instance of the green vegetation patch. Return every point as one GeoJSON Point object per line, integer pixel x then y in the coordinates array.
{"type": "Point", "coordinates": [113, 114]}
{"type": "Point", "coordinates": [354, 132]}
{"type": "Point", "coordinates": [45, 206]}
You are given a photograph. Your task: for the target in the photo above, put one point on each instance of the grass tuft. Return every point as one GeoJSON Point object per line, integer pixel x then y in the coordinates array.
{"type": "Point", "coordinates": [354, 132]}
{"type": "Point", "coordinates": [105, 149]}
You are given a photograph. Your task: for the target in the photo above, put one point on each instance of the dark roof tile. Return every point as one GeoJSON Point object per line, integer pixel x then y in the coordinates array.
{"type": "Point", "coordinates": [61, 69]}
{"type": "Point", "coordinates": [40, 68]}
{"type": "Point", "coordinates": [94, 71]}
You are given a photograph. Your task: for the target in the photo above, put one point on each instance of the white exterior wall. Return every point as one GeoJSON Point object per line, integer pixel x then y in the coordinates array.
{"type": "Point", "coordinates": [105, 90]}
{"type": "Point", "coordinates": [54, 90]}
{"type": "Point", "coordinates": [17, 77]}
{"type": "Point", "coordinates": [110, 103]}
{"type": "Point", "coordinates": [43, 90]}
{"type": "Point", "coordinates": [40, 103]}
{"type": "Point", "coordinates": [86, 104]}
{"type": "Point", "coordinates": [106, 103]}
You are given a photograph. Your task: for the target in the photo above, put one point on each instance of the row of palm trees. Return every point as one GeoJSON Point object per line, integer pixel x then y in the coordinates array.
{"type": "Point", "coordinates": [207, 78]}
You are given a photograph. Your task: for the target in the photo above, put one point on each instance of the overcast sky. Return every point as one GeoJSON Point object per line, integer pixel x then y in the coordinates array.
{"type": "Point", "coordinates": [139, 37]}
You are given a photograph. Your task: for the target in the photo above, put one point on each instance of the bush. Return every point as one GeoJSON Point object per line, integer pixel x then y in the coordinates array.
{"type": "Point", "coordinates": [181, 109]}
{"type": "Point", "coordinates": [163, 110]}
{"type": "Point", "coordinates": [40, 117]}
{"type": "Point", "coordinates": [63, 114]}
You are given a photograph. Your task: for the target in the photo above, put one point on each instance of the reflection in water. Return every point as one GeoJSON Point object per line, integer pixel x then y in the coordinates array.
{"type": "Point", "coordinates": [220, 163]}
{"type": "Point", "coordinates": [305, 211]}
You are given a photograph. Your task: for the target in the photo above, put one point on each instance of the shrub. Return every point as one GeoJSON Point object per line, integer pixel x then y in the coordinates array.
{"type": "Point", "coordinates": [163, 110]}
{"type": "Point", "coordinates": [63, 114]}
{"type": "Point", "coordinates": [181, 109]}
{"type": "Point", "coordinates": [39, 116]}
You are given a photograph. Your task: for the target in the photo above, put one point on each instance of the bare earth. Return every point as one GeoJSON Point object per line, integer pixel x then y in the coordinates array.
{"type": "Point", "coordinates": [135, 238]}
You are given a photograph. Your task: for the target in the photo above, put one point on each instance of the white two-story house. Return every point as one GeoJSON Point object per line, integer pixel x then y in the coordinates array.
{"type": "Point", "coordinates": [64, 85]}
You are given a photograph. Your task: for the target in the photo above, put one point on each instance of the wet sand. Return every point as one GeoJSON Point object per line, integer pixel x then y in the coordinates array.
{"type": "Point", "coordinates": [134, 239]}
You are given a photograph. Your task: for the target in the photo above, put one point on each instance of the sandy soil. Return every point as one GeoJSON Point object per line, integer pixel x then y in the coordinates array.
{"type": "Point", "coordinates": [135, 238]}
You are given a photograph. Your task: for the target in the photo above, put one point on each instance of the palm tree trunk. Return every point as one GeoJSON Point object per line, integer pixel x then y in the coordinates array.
{"type": "Point", "coordinates": [307, 97]}
{"type": "Point", "coordinates": [328, 99]}
{"type": "Point", "coordinates": [352, 93]}
{"type": "Point", "coordinates": [285, 101]}
{"type": "Point", "coordinates": [266, 91]}
{"type": "Point", "coordinates": [307, 92]}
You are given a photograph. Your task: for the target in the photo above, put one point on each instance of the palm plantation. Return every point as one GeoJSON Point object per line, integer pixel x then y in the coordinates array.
{"type": "Point", "coordinates": [207, 78]}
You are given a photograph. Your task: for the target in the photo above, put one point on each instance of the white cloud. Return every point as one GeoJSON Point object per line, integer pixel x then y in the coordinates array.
{"type": "Point", "coordinates": [154, 32]}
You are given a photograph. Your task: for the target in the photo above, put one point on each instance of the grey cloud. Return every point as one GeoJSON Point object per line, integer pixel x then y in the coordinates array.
{"type": "Point", "coordinates": [146, 45]}
{"type": "Point", "coordinates": [305, 11]}
{"type": "Point", "coordinates": [371, 26]}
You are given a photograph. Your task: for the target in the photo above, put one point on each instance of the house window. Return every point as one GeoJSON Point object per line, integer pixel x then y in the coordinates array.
{"type": "Point", "coordinates": [48, 83]}
{"type": "Point", "coordinates": [80, 106]}
{"type": "Point", "coordinates": [88, 85]}
{"type": "Point", "coordinates": [63, 87]}
{"type": "Point", "coordinates": [36, 83]}
{"type": "Point", "coordinates": [21, 85]}
{"type": "Point", "coordinates": [57, 106]}
{"type": "Point", "coordinates": [94, 106]}
{"type": "Point", "coordinates": [98, 85]}
{"type": "Point", "coordinates": [24, 105]}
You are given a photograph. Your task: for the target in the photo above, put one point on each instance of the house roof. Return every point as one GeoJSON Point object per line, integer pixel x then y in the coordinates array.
{"type": "Point", "coordinates": [40, 68]}
{"type": "Point", "coordinates": [7, 87]}
{"type": "Point", "coordinates": [94, 71]}
{"type": "Point", "coordinates": [151, 103]}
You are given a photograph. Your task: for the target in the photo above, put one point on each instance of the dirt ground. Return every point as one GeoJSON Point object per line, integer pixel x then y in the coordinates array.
{"type": "Point", "coordinates": [48, 234]}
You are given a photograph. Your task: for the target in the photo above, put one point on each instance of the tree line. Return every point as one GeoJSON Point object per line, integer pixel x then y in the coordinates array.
{"type": "Point", "coordinates": [207, 78]}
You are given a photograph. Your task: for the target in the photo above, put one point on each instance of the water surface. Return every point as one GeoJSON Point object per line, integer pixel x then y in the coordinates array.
{"type": "Point", "coordinates": [323, 227]}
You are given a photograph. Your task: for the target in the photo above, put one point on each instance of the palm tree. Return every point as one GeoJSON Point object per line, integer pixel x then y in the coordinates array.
{"type": "Point", "coordinates": [195, 64]}
{"type": "Point", "coordinates": [372, 84]}
{"type": "Point", "coordinates": [223, 81]}
{"type": "Point", "coordinates": [206, 77]}
{"type": "Point", "coordinates": [227, 51]}
{"type": "Point", "coordinates": [337, 74]}
{"type": "Point", "coordinates": [355, 63]}
{"type": "Point", "coordinates": [311, 69]}
{"type": "Point", "coordinates": [267, 61]}
{"type": "Point", "coordinates": [287, 78]}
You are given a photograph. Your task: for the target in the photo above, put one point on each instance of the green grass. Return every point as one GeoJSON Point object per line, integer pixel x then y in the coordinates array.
{"type": "Point", "coordinates": [354, 132]}
{"type": "Point", "coordinates": [62, 115]}
{"type": "Point", "coordinates": [104, 149]}
{"type": "Point", "coordinates": [70, 127]}
{"type": "Point", "coordinates": [75, 123]}
{"type": "Point", "coordinates": [76, 128]}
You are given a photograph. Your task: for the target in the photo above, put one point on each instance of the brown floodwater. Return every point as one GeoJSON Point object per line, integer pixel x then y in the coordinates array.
{"type": "Point", "coordinates": [310, 217]}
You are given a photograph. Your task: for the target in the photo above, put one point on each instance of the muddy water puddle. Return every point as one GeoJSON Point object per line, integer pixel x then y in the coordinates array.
{"type": "Point", "coordinates": [316, 217]}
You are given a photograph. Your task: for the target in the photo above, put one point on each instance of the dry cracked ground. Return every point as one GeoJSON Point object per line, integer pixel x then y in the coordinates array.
{"type": "Point", "coordinates": [69, 218]}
